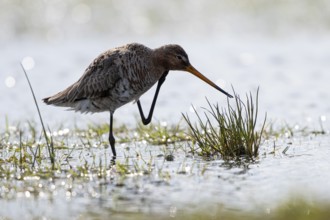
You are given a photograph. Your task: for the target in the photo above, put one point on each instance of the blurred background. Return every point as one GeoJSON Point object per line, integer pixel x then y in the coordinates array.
{"type": "Point", "coordinates": [280, 46]}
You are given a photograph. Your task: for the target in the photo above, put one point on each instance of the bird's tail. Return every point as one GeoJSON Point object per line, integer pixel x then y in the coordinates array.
{"type": "Point", "coordinates": [55, 100]}
{"type": "Point", "coordinates": [59, 99]}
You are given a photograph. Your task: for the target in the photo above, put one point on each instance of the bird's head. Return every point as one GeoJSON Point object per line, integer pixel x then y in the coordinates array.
{"type": "Point", "coordinates": [173, 57]}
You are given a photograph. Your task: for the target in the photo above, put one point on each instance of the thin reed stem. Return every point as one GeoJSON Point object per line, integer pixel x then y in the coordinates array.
{"type": "Point", "coordinates": [49, 146]}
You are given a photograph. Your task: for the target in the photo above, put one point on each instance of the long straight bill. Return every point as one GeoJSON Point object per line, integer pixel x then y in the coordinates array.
{"type": "Point", "coordinates": [192, 70]}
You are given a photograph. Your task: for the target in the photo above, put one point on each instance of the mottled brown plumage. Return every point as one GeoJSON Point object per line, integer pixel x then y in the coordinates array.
{"type": "Point", "coordinates": [122, 75]}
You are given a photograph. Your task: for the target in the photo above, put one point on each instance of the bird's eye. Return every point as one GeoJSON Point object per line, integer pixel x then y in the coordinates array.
{"type": "Point", "coordinates": [179, 57]}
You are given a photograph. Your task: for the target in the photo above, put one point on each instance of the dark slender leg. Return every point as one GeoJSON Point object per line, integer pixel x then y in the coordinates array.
{"type": "Point", "coordinates": [147, 120]}
{"type": "Point", "coordinates": [111, 137]}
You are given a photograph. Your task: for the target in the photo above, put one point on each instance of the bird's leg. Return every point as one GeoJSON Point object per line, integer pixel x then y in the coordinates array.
{"type": "Point", "coordinates": [111, 137]}
{"type": "Point", "coordinates": [147, 120]}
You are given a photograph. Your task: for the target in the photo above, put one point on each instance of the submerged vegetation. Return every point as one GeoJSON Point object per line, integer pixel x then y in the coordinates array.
{"type": "Point", "coordinates": [162, 133]}
{"type": "Point", "coordinates": [231, 132]}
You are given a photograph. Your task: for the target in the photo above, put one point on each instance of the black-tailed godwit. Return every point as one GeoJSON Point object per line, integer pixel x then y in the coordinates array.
{"type": "Point", "coordinates": [122, 75]}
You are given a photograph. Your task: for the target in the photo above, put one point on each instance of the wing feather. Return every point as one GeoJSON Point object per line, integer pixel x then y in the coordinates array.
{"type": "Point", "coordinates": [99, 78]}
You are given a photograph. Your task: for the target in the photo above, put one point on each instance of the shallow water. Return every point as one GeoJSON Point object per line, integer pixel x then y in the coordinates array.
{"type": "Point", "coordinates": [168, 187]}
{"type": "Point", "coordinates": [283, 49]}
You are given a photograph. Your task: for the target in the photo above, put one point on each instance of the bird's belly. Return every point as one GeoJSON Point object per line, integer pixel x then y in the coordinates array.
{"type": "Point", "coordinates": [129, 90]}
{"type": "Point", "coordinates": [100, 105]}
{"type": "Point", "coordinates": [122, 94]}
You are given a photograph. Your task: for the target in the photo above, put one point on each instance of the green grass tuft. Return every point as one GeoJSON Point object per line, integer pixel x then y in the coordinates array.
{"type": "Point", "coordinates": [231, 132]}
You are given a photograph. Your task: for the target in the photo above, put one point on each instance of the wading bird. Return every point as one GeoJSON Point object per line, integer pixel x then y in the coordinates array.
{"type": "Point", "coordinates": [122, 75]}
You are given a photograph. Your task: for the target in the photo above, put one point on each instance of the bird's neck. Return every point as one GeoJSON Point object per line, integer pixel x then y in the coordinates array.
{"type": "Point", "coordinates": [159, 59]}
